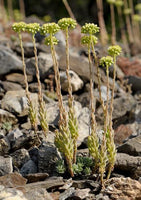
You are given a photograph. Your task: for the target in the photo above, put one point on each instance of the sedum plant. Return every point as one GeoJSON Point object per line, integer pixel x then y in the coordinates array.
{"type": "Point", "coordinates": [63, 139]}
{"type": "Point", "coordinates": [113, 51]}
{"type": "Point", "coordinates": [19, 28]}
{"type": "Point", "coordinates": [33, 28]}
{"type": "Point", "coordinates": [66, 24]}
{"type": "Point", "coordinates": [93, 143]}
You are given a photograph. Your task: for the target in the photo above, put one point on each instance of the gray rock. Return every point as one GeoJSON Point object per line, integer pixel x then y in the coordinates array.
{"type": "Point", "coordinates": [8, 61]}
{"type": "Point", "coordinates": [129, 164]}
{"type": "Point", "coordinates": [47, 158]}
{"type": "Point", "coordinates": [28, 168]}
{"type": "Point", "coordinates": [81, 193]}
{"type": "Point", "coordinates": [38, 193]}
{"type": "Point", "coordinates": [18, 78]}
{"type": "Point", "coordinates": [45, 63]}
{"type": "Point", "coordinates": [6, 116]}
{"type": "Point", "coordinates": [20, 157]}
{"type": "Point", "coordinates": [135, 83]}
{"type": "Point", "coordinates": [9, 86]}
{"type": "Point", "coordinates": [68, 193]}
{"type": "Point", "coordinates": [14, 135]}
{"type": "Point", "coordinates": [76, 82]}
{"type": "Point", "coordinates": [5, 165]}
{"type": "Point", "coordinates": [131, 147]}
{"type": "Point", "coordinates": [16, 102]}
{"type": "Point", "coordinates": [102, 197]}
{"type": "Point", "coordinates": [11, 194]}
{"type": "Point", "coordinates": [4, 146]}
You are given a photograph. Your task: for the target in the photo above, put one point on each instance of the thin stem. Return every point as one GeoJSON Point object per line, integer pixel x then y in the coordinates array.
{"type": "Point", "coordinates": [98, 76]}
{"type": "Point", "coordinates": [103, 31]}
{"type": "Point", "coordinates": [42, 110]}
{"type": "Point", "coordinates": [107, 102]}
{"type": "Point", "coordinates": [68, 9]}
{"type": "Point", "coordinates": [113, 39]}
{"type": "Point", "coordinates": [22, 8]}
{"type": "Point", "coordinates": [10, 10]}
{"type": "Point", "coordinates": [112, 97]}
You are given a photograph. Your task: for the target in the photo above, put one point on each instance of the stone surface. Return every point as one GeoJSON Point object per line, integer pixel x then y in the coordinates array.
{"type": "Point", "coordinates": [36, 177]}
{"type": "Point", "coordinates": [129, 165]}
{"type": "Point", "coordinates": [8, 61]}
{"type": "Point", "coordinates": [67, 193]}
{"type": "Point", "coordinates": [11, 194]}
{"type": "Point", "coordinates": [38, 194]}
{"type": "Point", "coordinates": [130, 67]}
{"type": "Point", "coordinates": [45, 63]}
{"type": "Point", "coordinates": [14, 135]}
{"type": "Point", "coordinates": [6, 116]}
{"type": "Point", "coordinates": [76, 82]}
{"type": "Point", "coordinates": [47, 158]}
{"type": "Point", "coordinates": [13, 180]}
{"type": "Point", "coordinates": [9, 86]}
{"type": "Point", "coordinates": [16, 102]}
{"type": "Point", "coordinates": [20, 157]}
{"type": "Point", "coordinates": [123, 188]}
{"type": "Point", "coordinates": [125, 131]}
{"type": "Point", "coordinates": [5, 165]}
{"type": "Point", "coordinates": [18, 78]}
{"type": "Point", "coordinates": [135, 83]}
{"type": "Point", "coordinates": [28, 168]}
{"type": "Point", "coordinates": [4, 146]}
{"type": "Point", "coordinates": [131, 147]}
{"type": "Point", "coordinates": [81, 193]}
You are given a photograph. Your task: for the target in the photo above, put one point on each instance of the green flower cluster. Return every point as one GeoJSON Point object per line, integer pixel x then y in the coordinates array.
{"type": "Point", "coordinates": [67, 23]}
{"type": "Point", "coordinates": [138, 7]}
{"type": "Point", "coordinates": [119, 3]}
{"type": "Point", "coordinates": [87, 39]}
{"type": "Point", "coordinates": [137, 18]}
{"type": "Point", "coordinates": [50, 28]}
{"type": "Point", "coordinates": [48, 40]}
{"type": "Point", "coordinates": [106, 61]}
{"type": "Point", "coordinates": [114, 50]}
{"type": "Point", "coordinates": [111, 1]}
{"type": "Point", "coordinates": [127, 11]}
{"type": "Point", "coordinates": [89, 28]}
{"type": "Point", "coordinates": [33, 28]}
{"type": "Point", "coordinates": [19, 27]}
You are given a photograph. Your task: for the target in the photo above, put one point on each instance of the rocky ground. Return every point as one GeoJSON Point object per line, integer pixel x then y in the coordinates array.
{"type": "Point", "coordinates": [28, 172]}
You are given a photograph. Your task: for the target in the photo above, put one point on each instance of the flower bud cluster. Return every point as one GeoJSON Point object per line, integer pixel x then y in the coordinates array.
{"type": "Point", "coordinates": [106, 61]}
{"type": "Point", "coordinates": [48, 40]}
{"type": "Point", "coordinates": [50, 28]}
{"type": "Point", "coordinates": [114, 50]}
{"type": "Point", "coordinates": [33, 28]}
{"type": "Point", "coordinates": [89, 28]}
{"type": "Point", "coordinates": [137, 18]}
{"type": "Point", "coordinates": [67, 23]}
{"type": "Point", "coordinates": [138, 7]}
{"type": "Point", "coordinates": [111, 1]}
{"type": "Point", "coordinates": [87, 39]}
{"type": "Point", "coordinates": [127, 11]}
{"type": "Point", "coordinates": [19, 27]}
{"type": "Point", "coordinates": [119, 3]}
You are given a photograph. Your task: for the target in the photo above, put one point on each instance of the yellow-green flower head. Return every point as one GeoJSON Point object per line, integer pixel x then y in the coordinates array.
{"type": "Point", "coordinates": [106, 61]}
{"type": "Point", "coordinates": [137, 18]}
{"type": "Point", "coordinates": [87, 40]}
{"type": "Point", "coordinates": [33, 28]}
{"type": "Point", "coordinates": [127, 11]}
{"type": "Point", "coordinates": [111, 1]}
{"type": "Point", "coordinates": [48, 40]}
{"type": "Point", "coordinates": [19, 27]}
{"type": "Point", "coordinates": [119, 3]}
{"type": "Point", "coordinates": [138, 6]}
{"type": "Point", "coordinates": [50, 28]}
{"type": "Point", "coordinates": [90, 28]}
{"type": "Point", "coordinates": [67, 23]}
{"type": "Point", "coordinates": [114, 50]}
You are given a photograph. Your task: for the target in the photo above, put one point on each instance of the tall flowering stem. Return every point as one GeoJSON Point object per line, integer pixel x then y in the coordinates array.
{"type": "Point", "coordinates": [20, 27]}
{"type": "Point", "coordinates": [63, 140]}
{"type": "Point", "coordinates": [113, 51]}
{"type": "Point", "coordinates": [66, 24]}
{"type": "Point", "coordinates": [33, 28]}
{"type": "Point", "coordinates": [93, 142]}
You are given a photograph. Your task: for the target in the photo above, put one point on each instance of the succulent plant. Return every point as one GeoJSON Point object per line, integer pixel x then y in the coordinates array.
{"type": "Point", "coordinates": [90, 28]}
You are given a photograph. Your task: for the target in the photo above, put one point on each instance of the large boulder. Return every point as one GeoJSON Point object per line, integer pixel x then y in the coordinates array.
{"type": "Point", "coordinates": [8, 61]}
